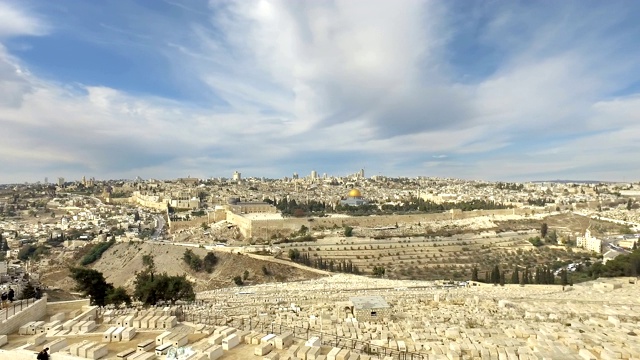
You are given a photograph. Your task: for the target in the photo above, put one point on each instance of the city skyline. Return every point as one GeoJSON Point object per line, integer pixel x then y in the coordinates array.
{"type": "Point", "coordinates": [516, 91]}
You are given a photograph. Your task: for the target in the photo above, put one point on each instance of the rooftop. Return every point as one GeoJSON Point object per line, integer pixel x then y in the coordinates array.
{"type": "Point", "coordinates": [368, 302]}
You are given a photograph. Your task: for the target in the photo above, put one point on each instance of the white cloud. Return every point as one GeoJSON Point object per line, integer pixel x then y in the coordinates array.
{"type": "Point", "coordinates": [294, 81]}
{"type": "Point", "coordinates": [17, 21]}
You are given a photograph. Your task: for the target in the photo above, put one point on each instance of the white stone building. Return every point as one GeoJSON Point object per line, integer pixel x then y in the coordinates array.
{"type": "Point", "coordinates": [589, 242]}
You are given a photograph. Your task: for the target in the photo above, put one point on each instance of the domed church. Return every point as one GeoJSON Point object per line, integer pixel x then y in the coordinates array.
{"type": "Point", "coordinates": [354, 198]}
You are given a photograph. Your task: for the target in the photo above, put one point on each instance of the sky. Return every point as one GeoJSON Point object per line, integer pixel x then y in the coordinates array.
{"type": "Point", "coordinates": [492, 90]}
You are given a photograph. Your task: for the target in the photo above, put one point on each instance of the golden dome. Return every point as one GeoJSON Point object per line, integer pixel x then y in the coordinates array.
{"type": "Point", "coordinates": [355, 193]}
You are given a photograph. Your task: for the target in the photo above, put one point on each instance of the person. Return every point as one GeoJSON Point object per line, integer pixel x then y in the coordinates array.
{"type": "Point", "coordinates": [3, 299]}
{"type": "Point", "coordinates": [43, 355]}
{"type": "Point", "coordinates": [11, 295]}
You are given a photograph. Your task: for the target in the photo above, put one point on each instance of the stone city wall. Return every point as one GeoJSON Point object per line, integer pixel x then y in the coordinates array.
{"type": "Point", "coordinates": [267, 228]}
{"type": "Point", "coordinates": [195, 221]}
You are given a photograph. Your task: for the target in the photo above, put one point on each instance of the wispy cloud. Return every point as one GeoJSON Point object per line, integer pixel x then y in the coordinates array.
{"type": "Point", "coordinates": [490, 90]}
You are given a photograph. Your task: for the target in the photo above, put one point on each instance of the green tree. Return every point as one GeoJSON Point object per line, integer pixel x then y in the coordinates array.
{"type": "Point", "coordinates": [162, 287]}
{"type": "Point", "coordinates": [193, 260]}
{"type": "Point", "coordinates": [29, 292]}
{"type": "Point", "coordinates": [91, 283]}
{"type": "Point", "coordinates": [544, 228]}
{"type": "Point", "coordinates": [245, 275]}
{"type": "Point", "coordinates": [294, 254]}
{"type": "Point", "coordinates": [209, 262]}
{"type": "Point", "coordinates": [348, 231]}
{"type": "Point", "coordinates": [378, 271]}
{"type": "Point", "coordinates": [563, 278]}
{"type": "Point", "coordinates": [238, 280]}
{"type": "Point", "coordinates": [515, 278]}
{"type": "Point", "coordinates": [495, 275]}
{"type": "Point", "coordinates": [474, 274]}
{"type": "Point", "coordinates": [117, 296]}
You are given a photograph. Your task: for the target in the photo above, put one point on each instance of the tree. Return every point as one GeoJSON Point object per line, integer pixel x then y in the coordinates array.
{"type": "Point", "coordinates": [117, 296]}
{"type": "Point", "coordinates": [553, 237]}
{"type": "Point", "coordinates": [162, 287]}
{"type": "Point", "coordinates": [378, 271]}
{"type": "Point", "coordinates": [209, 262]}
{"type": "Point", "coordinates": [348, 231]}
{"type": "Point", "coordinates": [265, 271]}
{"type": "Point", "coordinates": [91, 283]}
{"type": "Point", "coordinates": [245, 275]}
{"type": "Point", "coordinates": [563, 277]}
{"type": "Point", "coordinates": [495, 275]}
{"type": "Point", "coordinates": [515, 279]}
{"type": "Point", "coordinates": [294, 254]}
{"type": "Point", "coordinates": [502, 279]}
{"type": "Point", "coordinates": [193, 260]}
{"type": "Point", "coordinates": [29, 292]}
{"type": "Point", "coordinates": [543, 230]}
{"type": "Point", "coordinates": [238, 280]}
{"type": "Point", "coordinates": [522, 280]}
{"type": "Point", "coordinates": [474, 274]}
{"type": "Point", "coordinates": [629, 204]}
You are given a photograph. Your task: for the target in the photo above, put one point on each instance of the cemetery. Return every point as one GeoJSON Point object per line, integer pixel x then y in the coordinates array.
{"type": "Point", "coordinates": [353, 317]}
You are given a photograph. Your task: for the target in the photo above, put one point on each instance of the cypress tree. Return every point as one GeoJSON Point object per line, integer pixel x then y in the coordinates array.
{"type": "Point", "coordinates": [474, 274]}
{"type": "Point", "coordinates": [515, 279]}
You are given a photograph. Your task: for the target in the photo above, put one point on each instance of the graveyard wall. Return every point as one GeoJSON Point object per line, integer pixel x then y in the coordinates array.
{"type": "Point", "coordinates": [34, 312]}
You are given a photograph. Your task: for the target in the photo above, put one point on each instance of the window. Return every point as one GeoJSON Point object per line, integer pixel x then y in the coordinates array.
{"type": "Point", "coordinates": [373, 313]}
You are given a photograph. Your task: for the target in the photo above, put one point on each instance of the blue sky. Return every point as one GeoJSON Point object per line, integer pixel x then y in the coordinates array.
{"type": "Point", "coordinates": [495, 90]}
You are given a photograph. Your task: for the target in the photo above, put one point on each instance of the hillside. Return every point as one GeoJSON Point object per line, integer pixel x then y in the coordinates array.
{"type": "Point", "coordinates": [120, 263]}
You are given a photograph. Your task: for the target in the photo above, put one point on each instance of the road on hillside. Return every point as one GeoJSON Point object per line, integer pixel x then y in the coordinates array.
{"type": "Point", "coordinates": [159, 227]}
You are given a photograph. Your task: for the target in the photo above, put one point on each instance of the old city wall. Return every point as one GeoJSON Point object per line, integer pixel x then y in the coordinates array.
{"type": "Point", "coordinates": [195, 221]}
{"type": "Point", "coordinates": [267, 228]}
{"type": "Point", "coordinates": [243, 224]}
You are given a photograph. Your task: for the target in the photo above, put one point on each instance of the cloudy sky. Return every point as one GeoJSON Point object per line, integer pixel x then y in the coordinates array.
{"type": "Point", "coordinates": [495, 90]}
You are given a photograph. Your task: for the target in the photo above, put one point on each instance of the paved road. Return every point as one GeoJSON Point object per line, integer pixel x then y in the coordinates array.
{"type": "Point", "coordinates": [159, 226]}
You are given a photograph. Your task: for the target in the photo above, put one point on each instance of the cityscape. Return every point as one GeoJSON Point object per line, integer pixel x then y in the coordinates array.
{"type": "Point", "coordinates": [319, 180]}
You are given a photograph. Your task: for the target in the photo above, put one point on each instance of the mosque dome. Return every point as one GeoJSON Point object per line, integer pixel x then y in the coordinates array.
{"type": "Point", "coordinates": [355, 193]}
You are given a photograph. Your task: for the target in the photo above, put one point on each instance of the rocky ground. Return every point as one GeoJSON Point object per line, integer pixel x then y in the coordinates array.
{"type": "Point", "coordinates": [120, 263]}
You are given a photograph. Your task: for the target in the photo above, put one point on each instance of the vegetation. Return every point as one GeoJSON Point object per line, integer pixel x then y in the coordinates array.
{"type": "Point", "coordinates": [209, 262]}
{"type": "Point", "coordinates": [414, 205]}
{"type": "Point", "coordinates": [238, 280]}
{"type": "Point", "coordinates": [96, 252]}
{"type": "Point", "coordinates": [92, 283]}
{"type": "Point", "coordinates": [318, 262]}
{"type": "Point", "coordinates": [623, 265]}
{"type": "Point", "coordinates": [29, 292]}
{"type": "Point", "coordinates": [192, 260]}
{"type": "Point", "coordinates": [348, 231]}
{"type": "Point", "coordinates": [536, 241]}
{"type": "Point", "coordinates": [32, 252]}
{"type": "Point", "coordinates": [151, 288]}
{"type": "Point", "coordinates": [378, 271]}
